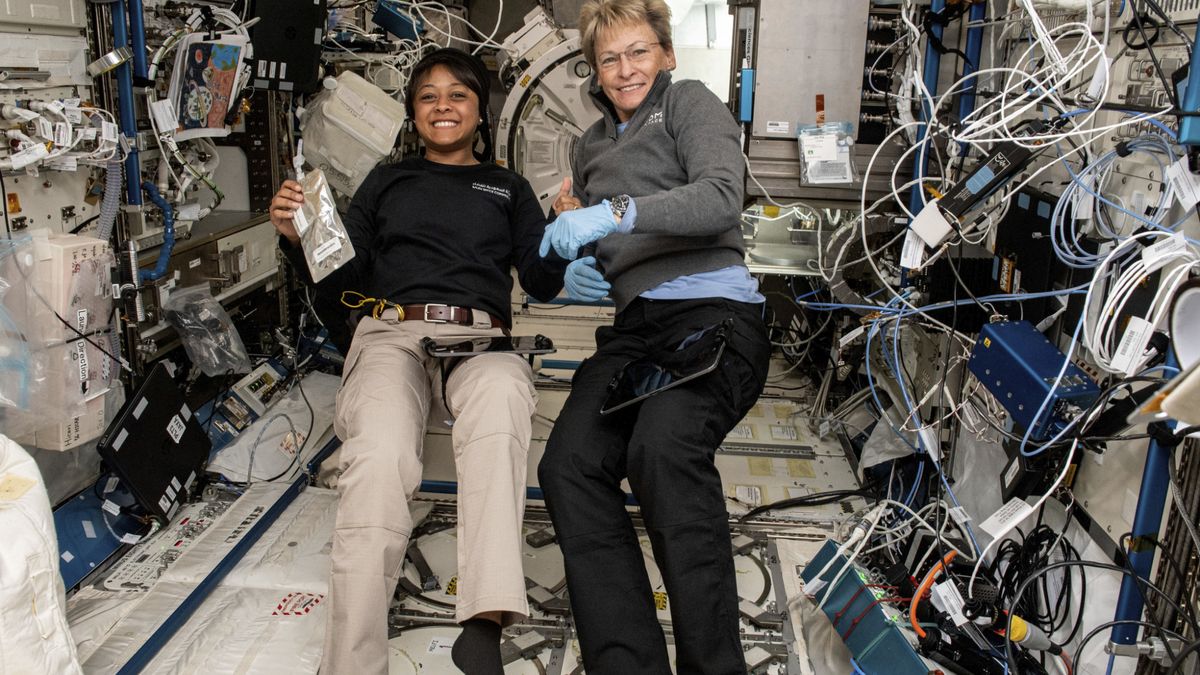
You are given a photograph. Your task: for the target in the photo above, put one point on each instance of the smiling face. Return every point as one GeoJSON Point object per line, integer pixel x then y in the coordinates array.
{"type": "Point", "coordinates": [446, 114]}
{"type": "Point", "coordinates": [628, 59]}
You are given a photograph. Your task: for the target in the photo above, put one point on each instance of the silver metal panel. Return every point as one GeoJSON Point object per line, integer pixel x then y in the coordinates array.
{"type": "Point", "coordinates": [776, 164]}
{"type": "Point", "coordinates": [808, 48]}
{"type": "Point", "coordinates": [565, 12]}
{"type": "Point", "coordinates": [53, 14]}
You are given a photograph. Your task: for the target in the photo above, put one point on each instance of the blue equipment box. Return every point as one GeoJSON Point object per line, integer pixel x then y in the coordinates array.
{"type": "Point", "coordinates": [395, 19]}
{"type": "Point", "coordinates": [1019, 365]}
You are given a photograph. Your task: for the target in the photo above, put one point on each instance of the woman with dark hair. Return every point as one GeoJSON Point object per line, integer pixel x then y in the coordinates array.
{"type": "Point", "coordinates": [434, 239]}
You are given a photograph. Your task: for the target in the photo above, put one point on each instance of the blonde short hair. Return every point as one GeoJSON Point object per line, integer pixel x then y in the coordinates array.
{"type": "Point", "coordinates": [597, 15]}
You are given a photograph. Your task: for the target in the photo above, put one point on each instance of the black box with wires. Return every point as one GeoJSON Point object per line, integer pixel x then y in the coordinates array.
{"type": "Point", "coordinates": [1023, 262]}
{"type": "Point", "coordinates": [1025, 476]}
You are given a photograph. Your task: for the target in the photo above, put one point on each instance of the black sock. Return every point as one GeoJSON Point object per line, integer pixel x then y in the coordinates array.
{"type": "Point", "coordinates": [477, 649]}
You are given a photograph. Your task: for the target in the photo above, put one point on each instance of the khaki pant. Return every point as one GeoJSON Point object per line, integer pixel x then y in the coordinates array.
{"type": "Point", "coordinates": [388, 386]}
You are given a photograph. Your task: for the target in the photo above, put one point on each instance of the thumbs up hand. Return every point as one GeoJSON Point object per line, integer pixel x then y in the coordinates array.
{"type": "Point", "coordinates": [565, 201]}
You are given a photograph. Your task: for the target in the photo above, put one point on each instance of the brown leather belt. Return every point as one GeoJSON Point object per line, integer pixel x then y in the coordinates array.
{"type": "Point", "coordinates": [435, 313]}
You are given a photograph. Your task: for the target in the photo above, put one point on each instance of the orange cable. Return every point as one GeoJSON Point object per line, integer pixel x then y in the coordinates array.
{"type": "Point", "coordinates": [923, 588]}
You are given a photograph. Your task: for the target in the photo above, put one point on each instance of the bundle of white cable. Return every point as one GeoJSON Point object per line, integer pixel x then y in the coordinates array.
{"type": "Point", "coordinates": [1105, 305]}
{"type": "Point", "coordinates": [1025, 92]}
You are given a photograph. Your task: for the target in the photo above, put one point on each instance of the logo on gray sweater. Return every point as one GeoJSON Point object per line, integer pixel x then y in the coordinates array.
{"type": "Point", "coordinates": [655, 117]}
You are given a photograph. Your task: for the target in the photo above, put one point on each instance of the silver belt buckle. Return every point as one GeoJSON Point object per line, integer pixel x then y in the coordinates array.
{"type": "Point", "coordinates": [432, 320]}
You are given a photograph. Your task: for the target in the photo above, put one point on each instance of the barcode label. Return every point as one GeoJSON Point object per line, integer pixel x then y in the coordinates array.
{"type": "Point", "coordinates": [1007, 517]}
{"type": "Point", "coordinates": [175, 428]}
{"type": "Point", "coordinates": [1133, 345]}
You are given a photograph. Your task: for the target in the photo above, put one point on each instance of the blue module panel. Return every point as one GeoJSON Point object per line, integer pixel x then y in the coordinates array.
{"type": "Point", "coordinates": [1019, 365]}
{"type": "Point", "coordinates": [856, 612]}
{"type": "Point", "coordinates": [395, 19]}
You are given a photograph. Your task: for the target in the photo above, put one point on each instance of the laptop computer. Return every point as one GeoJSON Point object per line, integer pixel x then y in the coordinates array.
{"type": "Point", "coordinates": [156, 445]}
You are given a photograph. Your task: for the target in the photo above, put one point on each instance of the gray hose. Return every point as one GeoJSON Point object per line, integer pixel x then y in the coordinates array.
{"type": "Point", "coordinates": [1180, 504]}
{"type": "Point", "coordinates": [111, 204]}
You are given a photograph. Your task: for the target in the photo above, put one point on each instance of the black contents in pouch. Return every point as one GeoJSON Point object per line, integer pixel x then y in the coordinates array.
{"type": "Point", "coordinates": [697, 355]}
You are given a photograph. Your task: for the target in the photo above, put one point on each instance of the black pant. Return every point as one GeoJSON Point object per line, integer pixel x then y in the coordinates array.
{"type": "Point", "coordinates": [664, 446]}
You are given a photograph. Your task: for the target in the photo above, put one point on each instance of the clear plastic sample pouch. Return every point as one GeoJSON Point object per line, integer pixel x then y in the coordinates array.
{"type": "Point", "coordinates": [322, 235]}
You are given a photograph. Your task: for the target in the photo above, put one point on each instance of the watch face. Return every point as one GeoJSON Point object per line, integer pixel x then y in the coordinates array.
{"type": "Point", "coordinates": [619, 205]}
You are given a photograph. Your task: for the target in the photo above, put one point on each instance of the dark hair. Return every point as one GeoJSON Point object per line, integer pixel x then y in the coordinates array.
{"type": "Point", "coordinates": [466, 69]}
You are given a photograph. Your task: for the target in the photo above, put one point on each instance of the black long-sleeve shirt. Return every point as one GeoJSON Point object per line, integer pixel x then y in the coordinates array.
{"type": "Point", "coordinates": [426, 232]}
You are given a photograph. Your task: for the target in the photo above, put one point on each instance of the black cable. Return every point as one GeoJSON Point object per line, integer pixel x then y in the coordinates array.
{"type": "Point", "coordinates": [1187, 431]}
{"type": "Point", "coordinates": [1166, 18]}
{"type": "Point", "coordinates": [38, 294]}
{"type": "Point", "coordinates": [1034, 551]}
{"type": "Point", "coordinates": [1136, 24]}
{"type": "Point", "coordinates": [940, 513]}
{"type": "Point", "coordinates": [4, 198]}
{"type": "Point", "coordinates": [1105, 395]}
{"type": "Point", "coordinates": [1008, 653]}
{"type": "Point", "coordinates": [818, 499]}
{"type": "Point", "coordinates": [1148, 45]}
{"type": "Point", "coordinates": [1175, 567]}
{"type": "Point", "coordinates": [79, 228]}
{"type": "Point", "coordinates": [1177, 665]}
{"type": "Point", "coordinates": [221, 395]}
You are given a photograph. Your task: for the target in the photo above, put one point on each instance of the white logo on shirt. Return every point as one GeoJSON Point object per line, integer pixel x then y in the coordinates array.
{"type": "Point", "coordinates": [493, 189]}
{"type": "Point", "coordinates": [655, 117]}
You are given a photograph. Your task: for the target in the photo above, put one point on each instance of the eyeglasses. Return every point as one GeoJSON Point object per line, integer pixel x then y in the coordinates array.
{"type": "Point", "coordinates": [636, 53]}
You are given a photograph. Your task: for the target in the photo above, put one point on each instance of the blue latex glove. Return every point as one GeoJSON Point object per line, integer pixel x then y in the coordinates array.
{"type": "Point", "coordinates": [584, 281]}
{"type": "Point", "coordinates": [573, 229]}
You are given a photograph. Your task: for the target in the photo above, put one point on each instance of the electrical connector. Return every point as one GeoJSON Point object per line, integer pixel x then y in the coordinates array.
{"type": "Point", "coordinates": [1029, 636]}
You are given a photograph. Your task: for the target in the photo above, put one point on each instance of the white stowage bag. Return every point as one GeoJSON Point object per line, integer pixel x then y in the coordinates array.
{"type": "Point", "coordinates": [34, 637]}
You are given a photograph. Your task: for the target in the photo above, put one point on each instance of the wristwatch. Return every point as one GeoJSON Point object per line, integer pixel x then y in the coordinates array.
{"type": "Point", "coordinates": [619, 205]}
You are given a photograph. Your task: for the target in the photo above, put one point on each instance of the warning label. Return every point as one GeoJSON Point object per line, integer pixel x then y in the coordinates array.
{"type": "Point", "coordinates": [297, 604]}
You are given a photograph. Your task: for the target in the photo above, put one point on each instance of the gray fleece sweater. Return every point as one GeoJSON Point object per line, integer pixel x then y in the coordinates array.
{"type": "Point", "coordinates": [680, 159]}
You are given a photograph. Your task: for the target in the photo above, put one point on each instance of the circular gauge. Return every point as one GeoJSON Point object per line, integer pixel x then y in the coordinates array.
{"type": "Point", "coordinates": [583, 69]}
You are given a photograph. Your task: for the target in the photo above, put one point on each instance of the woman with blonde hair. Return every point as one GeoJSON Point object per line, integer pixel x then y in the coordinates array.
{"type": "Point", "coordinates": [657, 193]}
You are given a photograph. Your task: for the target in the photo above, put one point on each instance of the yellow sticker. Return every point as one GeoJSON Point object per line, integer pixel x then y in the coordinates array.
{"type": "Point", "coordinates": [660, 600]}
{"type": "Point", "coordinates": [525, 81]}
{"type": "Point", "coordinates": [760, 466]}
{"type": "Point", "coordinates": [987, 342]}
{"type": "Point", "coordinates": [783, 411]}
{"type": "Point", "coordinates": [452, 586]}
{"type": "Point", "coordinates": [800, 468]}
{"type": "Point", "coordinates": [13, 487]}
